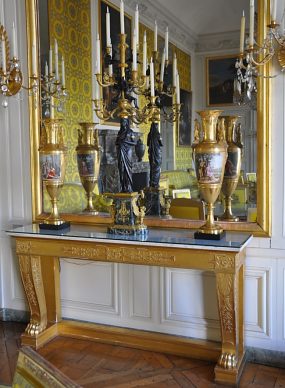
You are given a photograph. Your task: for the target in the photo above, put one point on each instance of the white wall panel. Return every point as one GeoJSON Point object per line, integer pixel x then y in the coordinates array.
{"type": "Point", "coordinates": [140, 291]}
{"type": "Point", "coordinates": [89, 286]}
{"type": "Point", "coordinates": [257, 291]}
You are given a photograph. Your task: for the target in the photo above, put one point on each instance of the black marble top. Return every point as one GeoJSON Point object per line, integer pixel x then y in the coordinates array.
{"type": "Point", "coordinates": [232, 241]}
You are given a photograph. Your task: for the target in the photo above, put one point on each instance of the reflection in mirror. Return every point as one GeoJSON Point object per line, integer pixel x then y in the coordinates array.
{"type": "Point", "coordinates": [207, 82]}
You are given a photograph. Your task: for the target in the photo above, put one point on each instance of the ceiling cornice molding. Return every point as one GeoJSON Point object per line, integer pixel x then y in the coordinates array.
{"type": "Point", "coordinates": [179, 34]}
{"type": "Point", "coordinates": [218, 42]}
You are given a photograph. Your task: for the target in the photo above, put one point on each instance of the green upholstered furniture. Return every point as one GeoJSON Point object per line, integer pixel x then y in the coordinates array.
{"type": "Point", "coordinates": [181, 179]}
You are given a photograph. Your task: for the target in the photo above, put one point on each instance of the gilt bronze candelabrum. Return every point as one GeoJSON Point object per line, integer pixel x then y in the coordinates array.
{"type": "Point", "coordinates": [127, 210]}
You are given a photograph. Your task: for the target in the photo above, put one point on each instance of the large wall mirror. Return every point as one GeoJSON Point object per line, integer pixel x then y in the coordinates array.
{"type": "Point", "coordinates": [74, 24]}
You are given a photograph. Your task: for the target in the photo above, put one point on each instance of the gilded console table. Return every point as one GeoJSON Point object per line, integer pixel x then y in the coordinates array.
{"type": "Point", "coordinates": [39, 253]}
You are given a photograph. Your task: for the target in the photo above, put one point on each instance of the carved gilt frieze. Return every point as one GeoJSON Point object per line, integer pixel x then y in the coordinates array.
{"type": "Point", "coordinates": [23, 246]}
{"type": "Point", "coordinates": [121, 254]}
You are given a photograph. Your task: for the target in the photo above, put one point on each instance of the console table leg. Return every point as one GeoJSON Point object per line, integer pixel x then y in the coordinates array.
{"type": "Point", "coordinates": [31, 273]}
{"type": "Point", "coordinates": [230, 305]}
{"type": "Point", "coordinates": [51, 281]}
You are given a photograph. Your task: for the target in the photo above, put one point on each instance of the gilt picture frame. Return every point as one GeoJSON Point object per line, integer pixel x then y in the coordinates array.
{"type": "Point", "coordinates": [220, 75]}
{"type": "Point", "coordinates": [184, 125]}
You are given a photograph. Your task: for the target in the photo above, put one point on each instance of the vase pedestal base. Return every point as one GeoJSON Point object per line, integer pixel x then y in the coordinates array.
{"type": "Point", "coordinates": [47, 226]}
{"type": "Point", "coordinates": [208, 236]}
{"type": "Point", "coordinates": [128, 214]}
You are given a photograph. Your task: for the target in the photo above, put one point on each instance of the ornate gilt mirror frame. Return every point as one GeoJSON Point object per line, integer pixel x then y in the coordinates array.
{"type": "Point", "coordinates": [263, 225]}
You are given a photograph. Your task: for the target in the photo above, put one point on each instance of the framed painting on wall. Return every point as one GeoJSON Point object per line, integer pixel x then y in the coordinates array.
{"type": "Point", "coordinates": [184, 126]}
{"type": "Point", "coordinates": [109, 95]}
{"type": "Point", "coordinates": [220, 75]}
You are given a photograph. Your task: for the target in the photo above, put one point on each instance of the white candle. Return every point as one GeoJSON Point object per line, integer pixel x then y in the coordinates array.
{"type": "Point", "coordinates": [166, 44]}
{"type": "Point", "coordinates": [50, 61]}
{"type": "Point", "coordinates": [155, 36]}
{"type": "Point", "coordinates": [13, 48]}
{"type": "Point", "coordinates": [242, 32]}
{"type": "Point", "coordinates": [251, 23]}
{"type": "Point", "coordinates": [3, 46]}
{"type": "Point", "coordinates": [174, 70]}
{"type": "Point", "coordinates": [34, 60]}
{"type": "Point", "coordinates": [144, 54]}
{"type": "Point", "coordinates": [46, 69]}
{"type": "Point", "coordinates": [162, 66]}
{"type": "Point", "coordinates": [151, 78]}
{"type": "Point", "coordinates": [108, 33]}
{"type": "Point", "coordinates": [122, 17]}
{"type": "Point", "coordinates": [134, 51]}
{"type": "Point", "coordinates": [56, 60]}
{"type": "Point", "coordinates": [63, 72]}
{"type": "Point", "coordinates": [110, 67]}
{"type": "Point", "coordinates": [177, 88]}
{"type": "Point", "coordinates": [97, 89]}
{"type": "Point", "coordinates": [137, 23]}
{"type": "Point", "coordinates": [273, 10]}
{"type": "Point", "coordinates": [98, 55]}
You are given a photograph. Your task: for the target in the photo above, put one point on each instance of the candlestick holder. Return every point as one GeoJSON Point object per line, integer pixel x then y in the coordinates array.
{"type": "Point", "coordinates": [53, 94]}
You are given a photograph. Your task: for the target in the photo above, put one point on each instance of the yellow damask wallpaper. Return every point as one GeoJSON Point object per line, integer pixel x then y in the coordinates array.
{"type": "Point", "coordinates": [70, 24]}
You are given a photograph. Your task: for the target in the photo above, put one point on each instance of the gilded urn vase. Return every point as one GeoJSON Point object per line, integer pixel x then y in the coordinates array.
{"type": "Point", "coordinates": [209, 156]}
{"type": "Point", "coordinates": [232, 167]}
{"type": "Point", "coordinates": [88, 161]}
{"type": "Point", "coordinates": [52, 164]}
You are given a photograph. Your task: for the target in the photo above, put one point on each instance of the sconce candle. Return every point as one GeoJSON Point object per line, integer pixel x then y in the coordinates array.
{"type": "Point", "coordinates": [122, 17]}
{"type": "Point", "coordinates": [56, 60]}
{"type": "Point", "coordinates": [13, 48]}
{"type": "Point", "coordinates": [155, 36]}
{"type": "Point", "coordinates": [177, 89]}
{"type": "Point", "coordinates": [50, 61]}
{"type": "Point", "coordinates": [174, 70]}
{"type": "Point", "coordinates": [251, 23]}
{"type": "Point", "coordinates": [98, 55]}
{"type": "Point", "coordinates": [134, 51]}
{"type": "Point", "coordinates": [46, 69]}
{"type": "Point", "coordinates": [144, 53]}
{"type": "Point", "coordinates": [162, 66]}
{"type": "Point", "coordinates": [137, 24]}
{"type": "Point", "coordinates": [151, 78]}
{"type": "Point", "coordinates": [108, 34]}
{"type": "Point", "coordinates": [166, 44]}
{"type": "Point", "coordinates": [273, 10]}
{"type": "Point", "coordinates": [3, 47]}
{"type": "Point", "coordinates": [242, 32]}
{"type": "Point", "coordinates": [63, 72]}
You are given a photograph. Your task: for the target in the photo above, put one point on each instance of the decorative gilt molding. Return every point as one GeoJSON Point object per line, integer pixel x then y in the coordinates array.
{"type": "Point", "coordinates": [30, 268]}
{"type": "Point", "coordinates": [24, 262]}
{"type": "Point", "coordinates": [23, 246]}
{"type": "Point", "coordinates": [225, 263]}
{"type": "Point", "coordinates": [121, 255]}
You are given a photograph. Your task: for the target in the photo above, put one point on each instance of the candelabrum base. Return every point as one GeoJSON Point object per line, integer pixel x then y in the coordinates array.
{"type": "Point", "coordinates": [60, 226]}
{"type": "Point", "coordinates": [128, 213]}
{"type": "Point", "coordinates": [200, 235]}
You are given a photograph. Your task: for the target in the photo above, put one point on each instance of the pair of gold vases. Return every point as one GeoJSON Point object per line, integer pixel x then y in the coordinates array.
{"type": "Point", "coordinates": [217, 161]}
{"type": "Point", "coordinates": [53, 160]}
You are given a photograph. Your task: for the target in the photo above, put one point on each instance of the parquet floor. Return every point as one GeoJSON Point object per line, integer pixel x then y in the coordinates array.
{"type": "Point", "coordinates": [97, 365]}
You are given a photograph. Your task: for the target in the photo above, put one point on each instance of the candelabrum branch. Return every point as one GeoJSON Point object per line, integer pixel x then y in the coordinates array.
{"type": "Point", "coordinates": [106, 81]}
